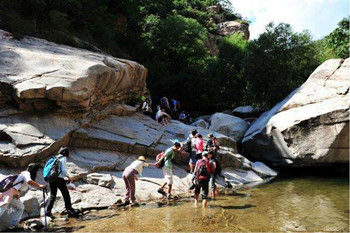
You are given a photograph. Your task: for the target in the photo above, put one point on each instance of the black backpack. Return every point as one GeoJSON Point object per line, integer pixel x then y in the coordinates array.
{"type": "Point", "coordinates": [8, 182]}
{"type": "Point", "coordinates": [188, 145]}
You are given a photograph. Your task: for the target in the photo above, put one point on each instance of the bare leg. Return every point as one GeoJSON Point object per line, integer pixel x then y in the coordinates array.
{"type": "Point", "coordinates": [196, 200]}
{"type": "Point", "coordinates": [191, 167]}
{"type": "Point", "coordinates": [205, 203]}
{"type": "Point", "coordinates": [169, 188]}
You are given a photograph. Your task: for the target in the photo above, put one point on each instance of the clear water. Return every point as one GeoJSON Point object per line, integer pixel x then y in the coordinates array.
{"type": "Point", "coordinates": [300, 204]}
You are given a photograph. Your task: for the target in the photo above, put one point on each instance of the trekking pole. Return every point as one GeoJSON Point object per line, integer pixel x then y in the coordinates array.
{"type": "Point", "coordinates": [44, 191]}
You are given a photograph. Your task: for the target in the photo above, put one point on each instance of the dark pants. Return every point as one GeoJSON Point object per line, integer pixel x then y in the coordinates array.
{"type": "Point", "coordinates": [204, 185]}
{"type": "Point", "coordinates": [61, 185]}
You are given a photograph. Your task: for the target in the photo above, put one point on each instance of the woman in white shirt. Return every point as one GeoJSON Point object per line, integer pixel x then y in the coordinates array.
{"type": "Point", "coordinates": [10, 198]}
{"type": "Point", "coordinates": [129, 176]}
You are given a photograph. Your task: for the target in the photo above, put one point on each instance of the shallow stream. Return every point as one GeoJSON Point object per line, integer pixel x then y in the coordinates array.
{"type": "Point", "coordinates": [285, 204]}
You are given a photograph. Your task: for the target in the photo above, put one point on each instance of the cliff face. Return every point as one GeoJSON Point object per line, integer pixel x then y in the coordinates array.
{"type": "Point", "coordinates": [310, 126]}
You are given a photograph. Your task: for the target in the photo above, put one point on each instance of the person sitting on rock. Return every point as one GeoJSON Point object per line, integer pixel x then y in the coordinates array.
{"type": "Point", "coordinates": [60, 184]}
{"type": "Point", "coordinates": [168, 168]}
{"type": "Point", "coordinates": [212, 144]}
{"type": "Point", "coordinates": [129, 177]}
{"type": "Point", "coordinates": [10, 198]}
{"type": "Point", "coordinates": [162, 117]}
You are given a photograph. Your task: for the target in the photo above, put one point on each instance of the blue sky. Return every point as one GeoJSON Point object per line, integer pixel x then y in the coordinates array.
{"type": "Point", "coordinates": [320, 17]}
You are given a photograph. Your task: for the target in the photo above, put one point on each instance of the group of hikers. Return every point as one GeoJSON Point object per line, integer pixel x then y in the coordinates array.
{"type": "Point", "coordinates": [165, 111]}
{"type": "Point", "coordinates": [202, 164]}
{"type": "Point", "coordinates": [12, 186]}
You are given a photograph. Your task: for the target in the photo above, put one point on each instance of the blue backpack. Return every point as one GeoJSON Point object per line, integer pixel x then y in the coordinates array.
{"type": "Point", "coordinates": [52, 169]}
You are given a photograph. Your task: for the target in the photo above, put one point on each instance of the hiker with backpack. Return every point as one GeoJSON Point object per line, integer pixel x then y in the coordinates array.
{"type": "Point", "coordinates": [129, 177]}
{"type": "Point", "coordinates": [212, 144]}
{"type": "Point", "coordinates": [189, 147]}
{"type": "Point", "coordinates": [55, 171]}
{"type": "Point", "coordinates": [168, 167]}
{"type": "Point", "coordinates": [201, 178]}
{"type": "Point", "coordinates": [11, 188]}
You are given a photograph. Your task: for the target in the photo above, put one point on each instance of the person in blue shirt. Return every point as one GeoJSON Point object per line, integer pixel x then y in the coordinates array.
{"type": "Point", "coordinates": [60, 184]}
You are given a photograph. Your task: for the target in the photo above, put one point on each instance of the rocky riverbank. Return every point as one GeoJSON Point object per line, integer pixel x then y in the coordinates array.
{"type": "Point", "coordinates": [53, 95]}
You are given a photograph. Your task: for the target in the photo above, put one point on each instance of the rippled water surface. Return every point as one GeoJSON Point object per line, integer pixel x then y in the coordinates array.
{"type": "Point", "coordinates": [300, 204]}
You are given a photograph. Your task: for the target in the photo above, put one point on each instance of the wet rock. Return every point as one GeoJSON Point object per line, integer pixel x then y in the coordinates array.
{"type": "Point", "coordinates": [33, 225]}
{"type": "Point", "coordinates": [310, 126]}
{"type": "Point", "coordinates": [263, 170]}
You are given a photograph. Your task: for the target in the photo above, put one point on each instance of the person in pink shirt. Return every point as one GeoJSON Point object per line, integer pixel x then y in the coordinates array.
{"type": "Point", "coordinates": [199, 146]}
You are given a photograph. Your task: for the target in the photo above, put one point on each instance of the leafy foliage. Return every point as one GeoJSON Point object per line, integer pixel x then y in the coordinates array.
{"type": "Point", "coordinates": [338, 41]}
{"type": "Point", "coordinates": [278, 62]}
{"type": "Point", "coordinates": [168, 37]}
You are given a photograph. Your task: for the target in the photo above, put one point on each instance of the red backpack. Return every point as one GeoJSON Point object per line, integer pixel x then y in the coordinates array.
{"type": "Point", "coordinates": [203, 170]}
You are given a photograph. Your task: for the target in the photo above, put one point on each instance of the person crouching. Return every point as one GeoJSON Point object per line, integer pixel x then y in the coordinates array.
{"type": "Point", "coordinates": [129, 177]}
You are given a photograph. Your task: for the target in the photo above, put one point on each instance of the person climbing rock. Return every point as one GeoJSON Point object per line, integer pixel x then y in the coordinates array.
{"type": "Point", "coordinates": [60, 184]}
{"type": "Point", "coordinates": [11, 197]}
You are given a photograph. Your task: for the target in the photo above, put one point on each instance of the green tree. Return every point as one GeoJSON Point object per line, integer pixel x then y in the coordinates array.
{"type": "Point", "coordinates": [278, 62]}
{"type": "Point", "coordinates": [338, 41]}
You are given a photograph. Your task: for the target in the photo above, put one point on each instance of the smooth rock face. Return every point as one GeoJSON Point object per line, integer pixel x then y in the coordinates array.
{"type": "Point", "coordinates": [228, 28]}
{"type": "Point", "coordinates": [310, 126]}
{"type": "Point", "coordinates": [40, 76]}
{"type": "Point", "coordinates": [247, 112]}
{"type": "Point", "coordinates": [201, 123]}
{"type": "Point", "coordinates": [228, 125]}
{"type": "Point", "coordinates": [103, 180]}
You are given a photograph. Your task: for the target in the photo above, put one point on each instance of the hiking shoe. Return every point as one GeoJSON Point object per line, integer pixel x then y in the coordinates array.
{"type": "Point", "coordinates": [161, 191]}
{"type": "Point", "coordinates": [72, 213]}
{"type": "Point", "coordinates": [136, 204]}
{"type": "Point", "coordinates": [169, 196]}
{"type": "Point", "coordinates": [15, 228]}
{"type": "Point", "coordinates": [50, 215]}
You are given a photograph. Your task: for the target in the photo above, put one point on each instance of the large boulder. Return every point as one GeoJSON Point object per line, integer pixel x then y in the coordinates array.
{"type": "Point", "coordinates": [201, 123]}
{"type": "Point", "coordinates": [39, 76]}
{"type": "Point", "coordinates": [311, 125]}
{"type": "Point", "coordinates": [228, 125]}
{"type": "Point", "coordinates": [247, 111]}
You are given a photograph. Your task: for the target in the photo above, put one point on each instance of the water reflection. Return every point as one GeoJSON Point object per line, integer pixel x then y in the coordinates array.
{"type": "Point", "coordinates": [306, 204]}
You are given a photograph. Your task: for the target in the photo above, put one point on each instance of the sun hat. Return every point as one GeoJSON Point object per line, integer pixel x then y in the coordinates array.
{"type": "Point", "coordinates": [142, 158]}
{"type": "Point", "coordinates": [210, 135]}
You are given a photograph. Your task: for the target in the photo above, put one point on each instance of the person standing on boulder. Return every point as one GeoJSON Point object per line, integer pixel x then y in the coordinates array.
{"type": "Point", "coordinates": [10, 198]}
{"type": "Point", "coordinates": [60, 184]}
{"type": "Point", "coordinates": [129, 177]}
{"type": "Point", "coordinates": [168, 168]}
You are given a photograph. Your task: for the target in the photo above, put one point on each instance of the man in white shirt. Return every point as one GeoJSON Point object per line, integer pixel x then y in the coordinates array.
{"type": "Point", "coordinates": [10, 198]}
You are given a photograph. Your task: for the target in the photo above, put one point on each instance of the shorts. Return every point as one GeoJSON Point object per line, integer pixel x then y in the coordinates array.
{"type": "Point", "coordinates": [212, 182]}
{"type": "Point", "coordinates": [193, 159]}
{"type": "Point", "coordinates": [168, 175]}
{"type": "Point", "coordinates": [204, 185]}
